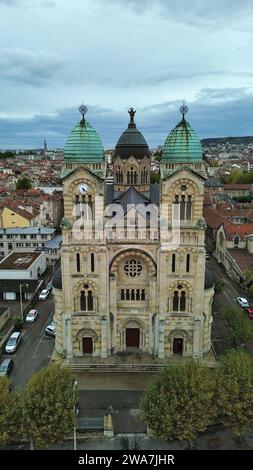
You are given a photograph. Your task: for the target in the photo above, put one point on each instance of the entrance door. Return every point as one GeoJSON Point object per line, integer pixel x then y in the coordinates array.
{"type": "Point", "coordinates": [132, 338]}
{"type": "Point", "coordinates": [178, 346]}
{"type": "Point", "coordinates": [87, 346]}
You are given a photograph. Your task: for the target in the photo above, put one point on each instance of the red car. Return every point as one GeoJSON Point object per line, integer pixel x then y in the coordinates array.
{"type": "Point", "coordinates": [249, 311]}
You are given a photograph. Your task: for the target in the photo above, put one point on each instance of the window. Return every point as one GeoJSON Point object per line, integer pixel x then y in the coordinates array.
{"type": "Point", "coordinates": [182, 207]}
{"type": "Point", "coordinates": [179, 300]}
{"type": "Point", "coordinates": [9, 246]}
{"type": "Point", "coordinates": [188, 257]}
{"type": "Point", "coordinates": [92, 262]}
{"type": "Point", "coordinates": [173, 267]}
{"type": "Point", "coordinates": [86, 300]}
{"type": "Point", "coordinates": [22, 236]}
{"type": "Point", "coordinates": [132, 177]}
{"type": "Point", "coordinates": [236, 240]}
{"type": "Point", "coordinates": [133, 268]}
{"type": "Point", "coordinates": [33, 237]}
{"type": "Point", "coordinates": [10, 236]}
{"type": "Point", "coordinates": [132, 294]}
{"type": "Point", "coordinates": [78, 262]}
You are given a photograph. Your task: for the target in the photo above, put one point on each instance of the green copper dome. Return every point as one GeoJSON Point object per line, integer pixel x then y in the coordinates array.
{"type": "Point", "coordinates": [182, 145]}
{"type": "Point", "coordinates": [83, 144]}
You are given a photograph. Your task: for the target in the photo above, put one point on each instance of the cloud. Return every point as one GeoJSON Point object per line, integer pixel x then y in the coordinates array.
{"type": "Point", "coordinates": [214, 113]}
{"type": "Point", "coordinates": [29, 67]}
{"type": "Point", "coordinates": [198, 11]}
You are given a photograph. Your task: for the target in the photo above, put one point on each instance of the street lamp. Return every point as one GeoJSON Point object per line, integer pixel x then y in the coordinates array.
{"type": "Point", "coordinates": [21, 304]}
{"type": "Point", "coordinates": [74, 387]}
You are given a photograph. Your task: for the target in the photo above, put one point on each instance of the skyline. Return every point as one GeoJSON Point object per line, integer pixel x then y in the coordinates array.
{"type": "Point", "coordinates": [112, 55]}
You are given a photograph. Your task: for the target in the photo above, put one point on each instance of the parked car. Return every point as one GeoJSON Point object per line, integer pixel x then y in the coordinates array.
{"type": "Point", "coordinates": [242, 302]}
{"type": "Point", "coordinates": [32, 315]}
{"type": "Point", "coordinates": [6, 367]}
{"type": "Point", "coordinates": [49, 286]}
{"type": "Point", "coordinates": [44, 294]}
{"type": "Point", "coordinates": [249, 312]}
{"type": "Point", "coordinates": [50, 329]}
{"type": "Point", "coordinates": [13, 342]}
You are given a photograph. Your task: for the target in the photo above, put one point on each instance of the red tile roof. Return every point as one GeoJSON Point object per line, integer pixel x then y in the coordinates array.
{"type": "Point", "coordinates": [242, 258]}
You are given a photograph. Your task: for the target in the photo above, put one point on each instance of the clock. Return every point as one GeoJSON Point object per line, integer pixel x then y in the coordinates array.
{"type": "Point", "coordinates": [83, 187]}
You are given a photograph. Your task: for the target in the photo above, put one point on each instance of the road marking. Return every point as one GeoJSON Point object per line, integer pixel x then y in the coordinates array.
{"type": "Point", "coordinates": [42, 337]}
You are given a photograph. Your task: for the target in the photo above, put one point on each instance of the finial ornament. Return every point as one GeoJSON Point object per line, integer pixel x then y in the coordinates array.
{"type": "Point", "coordinates": [132, 113]}
{"type": "Point", "coordinates": [183, 109]}
{"type": "Point", "coordinates": [83, 110]}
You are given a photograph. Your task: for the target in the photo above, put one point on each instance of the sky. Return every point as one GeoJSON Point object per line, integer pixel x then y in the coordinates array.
{"type": "Point", "coordinates": [114, 54]}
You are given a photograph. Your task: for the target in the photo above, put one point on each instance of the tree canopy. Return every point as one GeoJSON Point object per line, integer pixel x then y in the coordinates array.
{"type": "Point", "coordinates": [235, 390]}
{"type": "Point", "coordinates": [179, 403]}
{"type": "Point", "coordinates": [48, 406]}
{"type": "Point", "coordinates": [240, 328]}
{"type": "Point", "coordinates": [23, 183]}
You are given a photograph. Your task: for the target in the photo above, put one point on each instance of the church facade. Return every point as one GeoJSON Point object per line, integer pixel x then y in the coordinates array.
{"type": "Point", "coordinates": [132, 274]}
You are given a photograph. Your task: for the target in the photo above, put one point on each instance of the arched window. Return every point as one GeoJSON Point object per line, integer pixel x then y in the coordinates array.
{"type": "Point", "coordinates": [175, 301]}
{"type": "Point", "coordinates": [90, 300]}
{"type": "Point", "coordinates": [173, 267]}
{"type": "Point", "coordinates": [78, 262]}
{"type": "Point", "coordinates": [236, 240]}
{"type": "Point", "coordinates": [83, 301]}
{"type": "Point", "coordinates": [179, 300]}
{"type": "Point", "coordinates": [182, 206]}
{"type": "Point", "coordinates": [189, 208]}
{"type": "Point", "coordinates": [86, 299]}
{"type": "Point", "coordinates": [92, 262]}
{"type": "Point", "coordinates": [188, 258]}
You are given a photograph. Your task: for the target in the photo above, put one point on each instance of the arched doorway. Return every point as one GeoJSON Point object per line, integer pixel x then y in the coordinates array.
{"type": "Point", "coordinates": [178, 346]}
{"type": "Point", "coordinates": [133, 338]}
{"type": "Point", "coordinates": [87, 339]}
{"type": "Point", "coordinates": [87, 344]}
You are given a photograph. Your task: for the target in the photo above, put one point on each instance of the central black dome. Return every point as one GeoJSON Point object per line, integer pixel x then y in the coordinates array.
{"type": "Point", "coordinates": [131, 142]}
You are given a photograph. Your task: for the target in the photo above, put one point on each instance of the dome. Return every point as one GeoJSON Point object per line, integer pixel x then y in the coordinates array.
{"type": "Point", "coordinates": [57, 279]}
{"type": "Point", "coordinates": [131, 142]}
{"type": "Point", "coordinates": [83, 144]}
{"type": "Point", "coordinates": [182, 145]}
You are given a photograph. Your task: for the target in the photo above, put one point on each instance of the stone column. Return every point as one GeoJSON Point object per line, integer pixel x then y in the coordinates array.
{"type": "Point", "coordinates": [103, 337]}
{"type": "Point", "coordinates": [67, 332]}
{"type": "Point", "coordinates": [198, 337]}
{"type": "Point", "coordinates": [161, 338]}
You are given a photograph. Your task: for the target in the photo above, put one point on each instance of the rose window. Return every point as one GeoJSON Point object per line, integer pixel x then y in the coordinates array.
{"type": "Point", "coordinates": [133, 268]}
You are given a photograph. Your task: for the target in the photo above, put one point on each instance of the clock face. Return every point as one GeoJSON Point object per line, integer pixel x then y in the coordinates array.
{"type": "Point", "coordinates": [83, 187]}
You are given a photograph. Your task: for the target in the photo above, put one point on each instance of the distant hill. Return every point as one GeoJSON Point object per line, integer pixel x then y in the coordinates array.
{"type": "Point", "coordinates": [231, 140]}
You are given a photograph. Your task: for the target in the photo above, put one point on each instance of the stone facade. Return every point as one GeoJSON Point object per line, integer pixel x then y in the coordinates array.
{"type": "Point", "coordinates": [117, 294]}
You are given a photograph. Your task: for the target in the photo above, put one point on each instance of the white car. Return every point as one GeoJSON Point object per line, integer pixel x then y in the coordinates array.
{"type": "Point", "coordinates": [13, 342]}
{"type": "Point", "coordinates": [50, 329]}
{"type": "Point", "coordinates": [242, 302]}
{"type": "Point", "coordinates": [32, 315]}
{"type": "Point", "coordinates": [44, 294]}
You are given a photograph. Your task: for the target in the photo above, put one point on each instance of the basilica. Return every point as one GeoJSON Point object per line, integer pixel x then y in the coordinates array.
{"type": "Point", "coordinates": [132, 274]}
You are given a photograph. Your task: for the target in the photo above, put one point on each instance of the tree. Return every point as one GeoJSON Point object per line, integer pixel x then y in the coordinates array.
{"type": "Point", "coordinates": [234, 393]}
{"type": "Point", "coordinates": [218, 285]}
{"type": "Point", "coordinates": [240, 329]}
{"type": "Point", "coordinates": [48, 406]}
{"type": "Point", "coordinates": [179, 402]}
{"type": "Point", "coordinates": [23, 183]}
{"type": "Point", "coordinates": [154, 177]}
{"type": "Point", "coordinates": [9, 412]}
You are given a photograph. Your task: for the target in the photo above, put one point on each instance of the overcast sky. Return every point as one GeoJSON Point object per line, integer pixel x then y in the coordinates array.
{"type": "Point", "coordinates": [113, 54]}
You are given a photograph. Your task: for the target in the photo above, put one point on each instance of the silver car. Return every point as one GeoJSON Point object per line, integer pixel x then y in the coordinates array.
{"type": "Point", "coordinates": [13, 342]}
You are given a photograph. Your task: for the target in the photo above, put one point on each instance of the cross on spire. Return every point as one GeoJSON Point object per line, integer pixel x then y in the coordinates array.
{"type": "Point", "coordinates": [183, 109]}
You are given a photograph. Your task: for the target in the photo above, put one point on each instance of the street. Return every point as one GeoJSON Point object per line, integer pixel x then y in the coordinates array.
{"type": "Point", "coordinates": [35, 349]}
{"type": "Point", "coordinates": [223, 300]}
